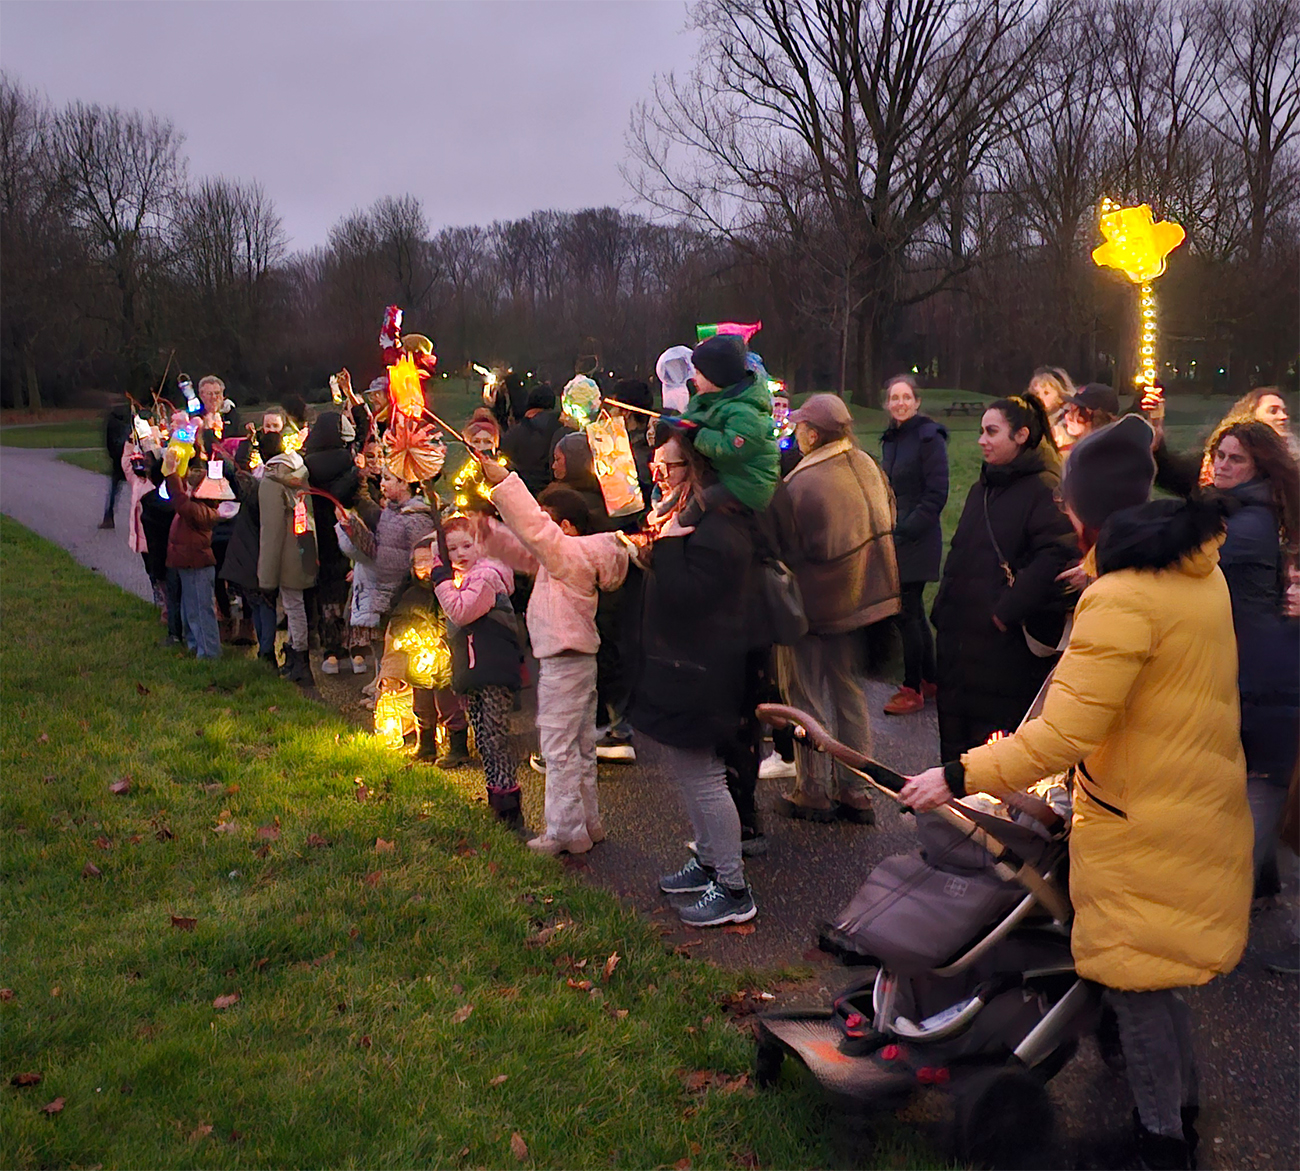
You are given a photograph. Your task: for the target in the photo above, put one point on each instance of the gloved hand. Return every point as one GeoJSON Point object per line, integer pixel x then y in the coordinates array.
{"type": "Point", "coordinates": [441, 572]}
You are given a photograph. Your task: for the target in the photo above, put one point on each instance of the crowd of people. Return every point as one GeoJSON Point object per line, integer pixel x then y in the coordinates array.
{"type": "Point", "coordinates": [770, 548]}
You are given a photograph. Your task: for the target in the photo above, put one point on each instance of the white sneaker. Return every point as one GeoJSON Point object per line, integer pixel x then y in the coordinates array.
{"type": "Point", "coordinates": [358, 664]}
{"type": "Point", "coordinates": [772, 768]}
{"type": "Point", "coordinates": [330, 666]}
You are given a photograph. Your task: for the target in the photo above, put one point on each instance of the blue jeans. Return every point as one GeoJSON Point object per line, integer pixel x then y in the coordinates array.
{"type": "Point", "coordinates": [263, 609]}
{"type": "Point", "coordinates": [197, 599]}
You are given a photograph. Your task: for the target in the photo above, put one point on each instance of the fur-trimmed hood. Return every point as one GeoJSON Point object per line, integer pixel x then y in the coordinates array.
{"type": "Point", "coordinates": [1158, 534]}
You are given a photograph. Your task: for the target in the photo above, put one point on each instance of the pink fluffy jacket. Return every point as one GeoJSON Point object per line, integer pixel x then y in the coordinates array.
{"type": "Point", "coordinates": [475, 594]}
{"type": "Point", "coordinates": [570, 571]}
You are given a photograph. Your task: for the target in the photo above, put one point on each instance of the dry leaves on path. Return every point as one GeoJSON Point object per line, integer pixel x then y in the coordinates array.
{"type": "Point", "coordinates": [518, 1147]}
{"type": "Point", "coordinates": [462, 1014]}
{"type": "Point", "coordinates": [739, 929]}
{"type": "Point", "coordinates": [226, 1002]}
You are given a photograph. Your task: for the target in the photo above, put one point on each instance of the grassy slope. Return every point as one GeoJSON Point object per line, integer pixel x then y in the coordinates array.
{"type": "Point", "coordinates": [93, 460]}
{"type": "Point", "coordinates": [351, 961]}
{"type": "Point", "coordinates": [72, 433]}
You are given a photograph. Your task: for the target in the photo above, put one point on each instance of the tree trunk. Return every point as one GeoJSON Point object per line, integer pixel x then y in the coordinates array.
{"type": "Point", "coordinates": [868, 343]}
{"type": "Point", "coordinates": [33, 381]}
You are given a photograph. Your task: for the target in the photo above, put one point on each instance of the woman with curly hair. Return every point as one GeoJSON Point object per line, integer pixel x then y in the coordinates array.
{"type": "Point", "coordinates": [1265, 405]}
{"type": "Point", "coordinates": [1260, 484]}
{"type": "Point", "coordinates": [1054, 388]}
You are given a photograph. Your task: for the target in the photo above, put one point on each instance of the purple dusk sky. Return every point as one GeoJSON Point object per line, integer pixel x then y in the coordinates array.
{"type": "Point", "coordinates": [483, 110]}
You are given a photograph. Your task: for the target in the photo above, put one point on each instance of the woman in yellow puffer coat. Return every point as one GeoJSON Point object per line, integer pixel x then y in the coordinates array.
{"type": "Point", "coordinates": [1144, 706]}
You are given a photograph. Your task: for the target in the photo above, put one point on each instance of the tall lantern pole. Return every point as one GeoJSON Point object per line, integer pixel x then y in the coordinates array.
{"type": "Point", "coordinates": [1137, 245]}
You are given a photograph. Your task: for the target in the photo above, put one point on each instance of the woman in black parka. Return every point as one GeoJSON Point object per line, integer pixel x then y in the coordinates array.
{"type": "Point", "coordinates": [330, 466]}
{"type": "Point", "coordinates": [914, 455]}
{"type": "Point", "coordinates": [1000, 582]}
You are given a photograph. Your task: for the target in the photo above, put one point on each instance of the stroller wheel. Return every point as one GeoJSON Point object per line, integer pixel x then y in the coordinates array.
{"type": "Point", "coordinates": [1002, 1119]}
{"type": "Point", "coordinates": [768, 1059]}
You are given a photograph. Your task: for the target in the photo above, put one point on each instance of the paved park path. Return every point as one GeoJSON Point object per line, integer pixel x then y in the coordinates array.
{"type": "Point", "coordinates": [1247, 1022]}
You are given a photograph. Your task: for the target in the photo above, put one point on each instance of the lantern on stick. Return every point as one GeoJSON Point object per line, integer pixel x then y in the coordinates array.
{"type": "Point", "coordinates": [412, 449]}
{"type": "Point", "coordinates": [614, 466]}
{"type": "Point", "coordinates": [490, 383]}
{"type": "Point", "coordinates": [745, 330]}
{"type": "Point", "coordinates": [1138, 245]}
{"type": "Point", "coordinates": [579, 402]}
{"type": "Point", "coordinates": [395, 712]}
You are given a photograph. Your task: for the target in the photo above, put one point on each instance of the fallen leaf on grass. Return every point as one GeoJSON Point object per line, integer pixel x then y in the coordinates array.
{"type": "Point", "coordinates": [383, 847]}
{"type": "Point", "coordinates": [214, 788]}
{"type": "Point", "coordinates": [52, 1107]}
{"type": "Point", "coordinates": [181, 923]}
{"type": "Point", "coordinates": [748, 1159]}
{"type": "Point", "coordinates": [462, 1014]}
{"type": "Point", "coordinates": [136, 839]}
{"type": "Point", "coordinates": [618, 1013]}
{"type": "Point", "coordinates": [580, 985]}
{"type": "Point", "coordinates": [201, 1131]}
{"type": "Point", "coordinates": [518, 1147]}
{"type": "Point", "coordinates": [316, 842]}
{"type": "Point", "coordinates": [361, 791]}
{"type": "Point", "coordinates": [121, 787]}
{"type": "Point", "coordinates": [104, 843]}
{"type": "Point", "coordinates": [374, 878]}
{"type": "Point", "coordinates": [275, 707]}
{"type": "Point", "coordinates": [142, 689]}
{"type": "Point", "coordinates": [226, 827]}
{"type": "Point", "coordinates": [739, 929]}
{"type": "Point", "coordinates": [365, 1041]}
{"type": "Point", "coordinates": [682, 1165]}
{"type": "Point", "coordinates": [496, 1081]}
{"type": "Point", "coordinates": [544, 936]}
{"type": "Point", "coordinates": [225, 1002]}
{"type": "Point", "coordinates": [43, 738]}
{"type": "Point", "coordinates": [268, 833]}
{"type": "Point", "coordinates": [90, 870]}
{"type": "Point", "coordinates": [611, 964]}
{"type": "Point", "coordinates": [164, 833]}
{"type": "Point", "coordinates": [25, 1079]}
{"type": "Point", "coordinates": [6, 993]}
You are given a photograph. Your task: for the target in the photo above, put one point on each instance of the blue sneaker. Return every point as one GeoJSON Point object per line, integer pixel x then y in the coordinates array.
{"type": "Point", "coordinates": [688, 880]}
{"type": "Point", "coordinates": [718, 905]}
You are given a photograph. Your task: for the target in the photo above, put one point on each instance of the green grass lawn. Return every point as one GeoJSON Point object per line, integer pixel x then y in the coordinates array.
{"type": "Point", "coordinates": [74, 433]}
{"type": "Point", "coordinates": [279, 944]}
{"type": "Point", "coordinates": [93, 460]}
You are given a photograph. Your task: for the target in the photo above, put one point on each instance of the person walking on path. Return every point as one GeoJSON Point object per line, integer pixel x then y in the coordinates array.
{"type": "Point", "coordinates": [118, 422]}
{"type": "Point", "coordinates": [999, 587]}
{"type": "Point", "coordinates": [834, 520]}
{"type": "Point", "coordinates": [1143, 708]}
{"type": "Point", "coordinates": [914, 455]}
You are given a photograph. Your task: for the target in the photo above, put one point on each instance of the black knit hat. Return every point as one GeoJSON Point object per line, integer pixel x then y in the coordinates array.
{"type": "Point", "coordinates": [1110, 469]}
{"type": "Point", "coordinates": [635, 392]}
{"type": "Point", "coordinates": [721, 359]}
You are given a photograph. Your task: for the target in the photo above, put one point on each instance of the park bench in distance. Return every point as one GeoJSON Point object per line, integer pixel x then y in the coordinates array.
{"type": "Point", "coordinates": [965, 407]}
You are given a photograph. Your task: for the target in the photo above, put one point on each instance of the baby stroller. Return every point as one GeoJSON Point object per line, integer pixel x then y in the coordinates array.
{"type": "Point", "coordinates": [968, 984]}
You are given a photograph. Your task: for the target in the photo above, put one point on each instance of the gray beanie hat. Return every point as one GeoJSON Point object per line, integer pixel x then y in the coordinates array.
{"type": "Point", "coordinates": [1110, 469]}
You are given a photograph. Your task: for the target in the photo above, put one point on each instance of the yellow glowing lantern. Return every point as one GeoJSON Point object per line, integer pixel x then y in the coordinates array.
{"type": "Point", "coordinates": [394, 712]}
{"type": "Point", "coordinates": [614, 466]}
{"type": "Point", "coordinates": [404, 390]}
{"type": "Point", "coordinates": [422, 638]}
{"type": "Point", "coordinates": [580, 402]}
{"type": "Point", "coordinates": [1138, 245]}
{"type": "Point", "coordinates": [293, 439]}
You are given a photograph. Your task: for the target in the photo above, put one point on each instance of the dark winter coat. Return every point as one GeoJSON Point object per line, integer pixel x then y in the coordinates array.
{"type": "Point", "coordinates": [156, 515]}
{"type": "Point", "coordinates": [117, 430]}
{"type": "Point", "coordinates": [189, 541]}
{"type": "Point", "coordinates": [330, 467]}
{"type": "Point", "coordinates": [240, 566]}
{"type": "Point", "coordinates": [579, 476]}
{"type": "Point", "coordinates": [987, 676]}
{"type": "Point", "coordinates": [482, 630]}
{"type": "Point", "coordinates": [914, 455]}
{"type": "Point", "coordinates": [527, 448]}
{"type": "Point", "coordinates": [688, 688]}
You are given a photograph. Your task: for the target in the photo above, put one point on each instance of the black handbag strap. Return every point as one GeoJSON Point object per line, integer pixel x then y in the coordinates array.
{"type": "Point", "coordinates": [1002, 561]}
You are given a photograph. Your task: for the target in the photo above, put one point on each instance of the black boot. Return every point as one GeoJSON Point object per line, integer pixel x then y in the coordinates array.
{"type": "Point", "coordinates": [428, 744]}
{"type": "Point", "coordinates": [505, 804]}
{"type": "Point", "coordinates": [457, 754]}
{"type": "Point", "coordinates": [300, 669]}
{"type": "Point", "coordinates": [1159, 1152]}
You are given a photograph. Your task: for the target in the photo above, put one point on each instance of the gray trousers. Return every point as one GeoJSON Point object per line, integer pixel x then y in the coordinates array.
{"type": "Point", "coordinates": [566, 726]}
{"type": "Point", "coordinates": [295, 610]}
{"type": "Point", "coordinates": [822, 675]}
{"type": "Point", "coordinates": [1155, 1030]}
{"type": "Point", "coordinates": [701, 779]}
{"type": "Point", "coordinates": [1267, 804]}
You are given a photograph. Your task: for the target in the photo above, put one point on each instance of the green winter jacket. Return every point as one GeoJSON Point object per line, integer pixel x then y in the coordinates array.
{"type": "Point", "coordinates": [735, 434]}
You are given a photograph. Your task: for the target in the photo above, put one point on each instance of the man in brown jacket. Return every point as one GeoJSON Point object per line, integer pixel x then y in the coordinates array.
{"type": "Point", "coordinates": [834, 517]}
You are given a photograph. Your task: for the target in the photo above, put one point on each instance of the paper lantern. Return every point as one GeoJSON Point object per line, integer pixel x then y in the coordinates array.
{"type": "Point", "coordinates": [1135, 243]}
{"type": "Point", "coordinates": [740, 329]}
{"type": "Point", "coordinates": [395, 712]}
{"type": "Point", "coordinates": [614, 466]}
{"type": "Point", "coordinates": [404, 389]}
{"type": "Point", "coordinates": [422, 638]}
{"type": "Point", "coordinates": [580, 402]}
{"type": "Point", "coordinates": [413, 452]}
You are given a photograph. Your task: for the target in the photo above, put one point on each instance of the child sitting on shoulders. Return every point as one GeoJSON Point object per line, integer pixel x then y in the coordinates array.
{"type": "Point", "coordinates": [550, 538]}
{"type": "Point", "coordinates": [486, 658]}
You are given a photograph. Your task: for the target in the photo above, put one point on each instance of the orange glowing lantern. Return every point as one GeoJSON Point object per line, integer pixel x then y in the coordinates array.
{"type": "Point", "coordinates": [395, 712]}
{"type": "Point", "coordinates": [404, 390]}
{"type": "Point", "coordinates": [614, 466]}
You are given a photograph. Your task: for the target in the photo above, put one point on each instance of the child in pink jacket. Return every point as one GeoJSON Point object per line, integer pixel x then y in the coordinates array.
{"type": "Point", "coordinates": [486, 659]}
{"type": "Point", "coordinates": [549, 538]}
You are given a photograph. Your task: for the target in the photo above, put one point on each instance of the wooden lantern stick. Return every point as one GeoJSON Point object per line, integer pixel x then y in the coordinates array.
{"type": "Point", "coordinates": [613, 402]}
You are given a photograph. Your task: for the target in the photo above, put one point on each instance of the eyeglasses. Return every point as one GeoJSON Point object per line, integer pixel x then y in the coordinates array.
{"type": "Point", "coordinates": [662, 469]}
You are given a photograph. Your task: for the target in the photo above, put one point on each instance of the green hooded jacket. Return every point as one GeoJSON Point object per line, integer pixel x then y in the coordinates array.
{"type": "Point", "coordinates": [735, 434]}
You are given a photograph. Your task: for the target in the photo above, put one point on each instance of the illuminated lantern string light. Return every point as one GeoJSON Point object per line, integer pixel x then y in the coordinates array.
{"type": "Point", "coordinates": [1138, 246]}
{"type": "Point", "coordinates": [422, 638]}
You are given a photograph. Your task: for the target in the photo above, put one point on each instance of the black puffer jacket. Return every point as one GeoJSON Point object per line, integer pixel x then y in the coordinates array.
{"type": "Point", "coordinates": [527, 448]}
{"type": "Point", "coordinates": [689, 674]}
{"type": "Point", "coordinates": [240, 565]}
{"type": "Point", "coordinates": [331, 468]}
{"type": "Point", "coordinates": [914, 455]}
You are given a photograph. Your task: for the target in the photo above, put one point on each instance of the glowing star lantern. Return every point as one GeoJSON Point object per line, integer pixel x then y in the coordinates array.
{"type": "Point", "coordinates": [404, 391]}
{"type": "Point", "coordinates": [471, 487]}
{"type": "Point", "coordinates": [615, 469]}
{"type": "Point", "coordinates": [293, 439]}
{"type": "Point", "coordinates": [412, 450]}
{"type": "Point", "coordinates": [394, 712]}
{"type": "Point", "coordinates": [740, 329]}
{"type": "Point", "coordinates": [422, 638]}
{"type": "Point", "coordinates": [580, 402]}
{"type": "Point", "coordinates": [490, 383]}
{"type": "Point", "coordinates": [1138, 246]}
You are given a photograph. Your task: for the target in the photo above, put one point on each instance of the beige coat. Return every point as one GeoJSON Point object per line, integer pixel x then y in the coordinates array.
{"type": "Point", "coordinates": [834, 519]}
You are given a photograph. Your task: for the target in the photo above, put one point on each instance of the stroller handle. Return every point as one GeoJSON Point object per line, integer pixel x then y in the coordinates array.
{"type": "Point", "coordinates": [780, 715]}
